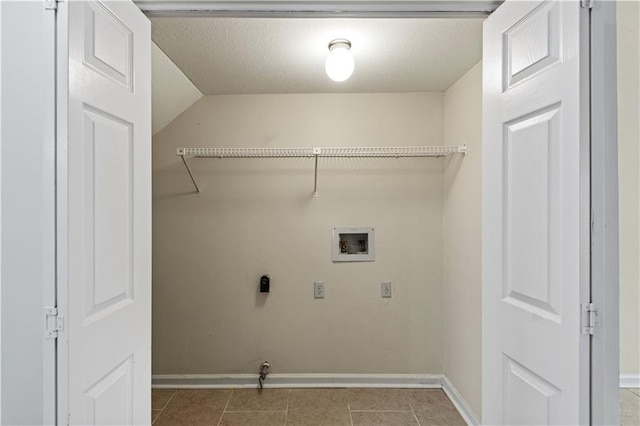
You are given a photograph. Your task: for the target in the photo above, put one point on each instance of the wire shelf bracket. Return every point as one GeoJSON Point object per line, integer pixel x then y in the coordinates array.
{"type": "Point", "coordinates": [315, 153]}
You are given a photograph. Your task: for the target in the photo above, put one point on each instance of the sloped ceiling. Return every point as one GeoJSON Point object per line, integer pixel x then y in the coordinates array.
{"type": "Point", "coordinates": [286, 55]}
{"type": "Point", "coordinates": [172, 92]}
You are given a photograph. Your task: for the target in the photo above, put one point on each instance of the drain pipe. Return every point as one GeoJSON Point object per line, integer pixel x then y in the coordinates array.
{"type": "Point", "coordinates": [264, 370]}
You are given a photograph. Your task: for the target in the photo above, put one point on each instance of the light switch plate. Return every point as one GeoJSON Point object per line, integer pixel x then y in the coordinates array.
{"type": "Point", "coordinates": [385, 289]}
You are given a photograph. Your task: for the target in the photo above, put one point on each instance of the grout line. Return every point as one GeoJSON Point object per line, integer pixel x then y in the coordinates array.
{"type": "Point", "coordinates": [286, 413]}
{"type": "Point", "coordinates": [633, 393]}
{"type": "Point", "coordinates": [414, 414]}
{"type": "Point", "coordinates": [380, 411]}
{"type": "Point", "coordinates": [225, 407]}
{"type": "Point", "coordinates": [349, 408]}
{"type": "Point", "coordinates": [255, 411]}
{"type": "Point", "coordinates": [175, 391]}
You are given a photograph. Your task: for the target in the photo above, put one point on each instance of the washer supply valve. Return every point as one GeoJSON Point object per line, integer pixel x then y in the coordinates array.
{"type": "Point", "coordinates": [264, 370]}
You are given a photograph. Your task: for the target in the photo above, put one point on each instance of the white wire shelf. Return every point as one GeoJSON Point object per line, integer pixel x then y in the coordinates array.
{"type": "Point", "coordinates": [317, 152]}
{"type": "Point", "coordinates": [389, 152]}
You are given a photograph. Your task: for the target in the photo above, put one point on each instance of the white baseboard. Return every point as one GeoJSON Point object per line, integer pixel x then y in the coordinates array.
{"type": "Point", "coordinates": [213, 381]}
{"type": "Point", "coordinates": [630, 380]}
{"type": "Point", "coordinates": [458, 401]}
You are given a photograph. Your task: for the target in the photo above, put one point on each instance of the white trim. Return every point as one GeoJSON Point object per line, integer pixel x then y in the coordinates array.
{"type": "Point", "coordinates": [214, 381]}
{"type": "Point", "coordinates": [630, 380]}
{"type": "Point", "coordinates": [605, 372]}
{"type": "Point", "coordinates": [459, 402]}
{"type": "Point", "coordinates": [318, 9]}
{"type": "Point", "coordinates": [49, 209]}
{"type": "Point", "coordinates": [62, 230]}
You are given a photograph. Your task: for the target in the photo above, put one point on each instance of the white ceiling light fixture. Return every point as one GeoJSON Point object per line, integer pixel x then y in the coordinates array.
{"type": "Point", "coordinates": [339, 65]}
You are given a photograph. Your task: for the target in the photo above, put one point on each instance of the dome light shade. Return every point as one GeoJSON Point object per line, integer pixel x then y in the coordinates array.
{"type": "Point", "coordinates": [339, 65]}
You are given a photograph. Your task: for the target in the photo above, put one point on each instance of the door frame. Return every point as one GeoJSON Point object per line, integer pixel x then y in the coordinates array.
{"type": "Point", "coordinates": [62, 210]}
{"type": "Point", "coordinates": [320, 9]}
{"type": "Point", "coordinates": [27, 369]}
{"type": "Point", "coordinates": [603, 126]}
{"type": "Point", "coordinates": [605, 343]}
{"type": "Point", "coordinates": [604, 234]}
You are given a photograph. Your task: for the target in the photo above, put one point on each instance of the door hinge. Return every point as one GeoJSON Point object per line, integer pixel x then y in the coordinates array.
{"type": "Point", "coordinates": [53, 322]}
{"type": "Point", "coordinates": [50, 4]}
{"type": "Point", "coordinates": [588, 4]}
{"type": "Point", "coordinates": [590, 318]}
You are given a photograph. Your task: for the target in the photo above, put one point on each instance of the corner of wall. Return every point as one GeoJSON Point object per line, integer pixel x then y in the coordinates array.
{"type": "Point", "coordinates": [463, 239]}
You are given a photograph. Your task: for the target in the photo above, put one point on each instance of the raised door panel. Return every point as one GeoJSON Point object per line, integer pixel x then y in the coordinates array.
{"type": "Point", "coordinates": [108, 198]}
{"type": "Point", "coordinates": [109, 401]}
{"type": "Point", "coordinates": [529, 399]}
{"type": "Point", "coordinates": [533, 226]}
{"type": "Point", "coordinates": [108, 44]}
{"type": "Point", "coordinates": [532, 44]}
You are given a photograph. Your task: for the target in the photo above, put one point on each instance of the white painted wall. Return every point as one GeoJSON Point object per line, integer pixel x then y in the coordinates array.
{"type": "Point", "coordinates": [463, 239]}
{"type": "Point", "coordinates": [257, 216]}
{"type": "Point", "coordinates": [628, 15]}
{"type": "Point", "coordinates": [172, 91]}
{"type": "Point", "coordinates": [27, 208]}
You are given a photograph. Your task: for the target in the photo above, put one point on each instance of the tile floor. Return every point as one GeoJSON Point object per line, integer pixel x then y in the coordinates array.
{"type": "Point", "coordinates": [330, 407]}
{"type": "Point", "coordinates": [630, 407]}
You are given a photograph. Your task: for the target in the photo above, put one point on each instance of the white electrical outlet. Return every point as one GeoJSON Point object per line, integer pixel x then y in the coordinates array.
{"type": "Point", "coordinates": [318, 290]}
{"type": "Point", "coordinates": [385, 289]}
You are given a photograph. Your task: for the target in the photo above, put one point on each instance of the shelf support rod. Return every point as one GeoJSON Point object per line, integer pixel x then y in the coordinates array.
{"type": "Point", "coordinates": [315, 179]}
{"type": "Point", "coordinates": [184, 160]}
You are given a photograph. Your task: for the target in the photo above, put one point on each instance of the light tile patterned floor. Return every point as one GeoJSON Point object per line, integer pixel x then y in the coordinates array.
{"type": "Point", "coordinates": [330, 407]}
{"type": "Point", "coordinates": [630, 407]}
{"type": "Point", "coordinates": [303, 407]}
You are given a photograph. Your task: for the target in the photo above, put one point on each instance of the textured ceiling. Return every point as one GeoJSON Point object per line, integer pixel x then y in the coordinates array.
{"type": "Point", "coordinates": [286, 55]}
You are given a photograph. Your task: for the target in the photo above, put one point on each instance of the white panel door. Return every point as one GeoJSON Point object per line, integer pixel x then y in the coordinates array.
{"type": "Point", "coordinates": [105, 358]}
{"type": "Point", "coordinates": [535, 214]}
